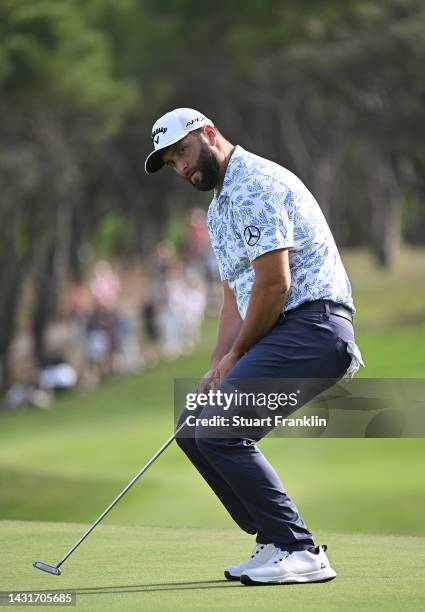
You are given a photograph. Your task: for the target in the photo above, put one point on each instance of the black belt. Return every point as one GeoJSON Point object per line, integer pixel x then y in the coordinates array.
{"type": "Point", "coordinates": [325, 306]}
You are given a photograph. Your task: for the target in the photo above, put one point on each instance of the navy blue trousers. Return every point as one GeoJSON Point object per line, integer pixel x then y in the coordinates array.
{"type": "Point", "coordinates": [302, 344]}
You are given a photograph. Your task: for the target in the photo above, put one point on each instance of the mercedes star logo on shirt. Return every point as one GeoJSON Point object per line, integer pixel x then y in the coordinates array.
{"type": "Point", "coordinates": [252, 235]}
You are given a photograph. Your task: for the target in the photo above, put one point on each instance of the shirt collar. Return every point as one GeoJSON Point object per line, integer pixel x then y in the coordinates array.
{"type": "Point", "coordinates": [234, 161]}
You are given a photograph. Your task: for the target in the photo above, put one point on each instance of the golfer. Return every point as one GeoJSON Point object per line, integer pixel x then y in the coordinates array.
{"type": "Point", "coordinates": [287, 313]}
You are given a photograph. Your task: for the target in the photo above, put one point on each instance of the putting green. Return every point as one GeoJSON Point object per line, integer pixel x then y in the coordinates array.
{"type": "Point", "coordinates": [135, 568]}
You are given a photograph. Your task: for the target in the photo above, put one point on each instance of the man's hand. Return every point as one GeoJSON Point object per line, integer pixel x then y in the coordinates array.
{"type": "Point", "coordinates": [208, 381]}
{"type": "Point", "coordinates": [225, 365]}
{"type": "Point", "coordinates": [215, 375]}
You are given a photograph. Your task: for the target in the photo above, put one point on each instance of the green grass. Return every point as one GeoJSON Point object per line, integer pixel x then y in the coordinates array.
{"type": "Point", "coordinates": [66, 464]}
{"type": "Point", "coordinates": [390, 318]}
{"type": "Point", "coordinates": [387, 298]}
{"type": "Point", "coordinates": [88, 447]}
{"type": "Point", "coordinates": [396, 352]}
{"type": "Point", "coordinates": [134, 568]}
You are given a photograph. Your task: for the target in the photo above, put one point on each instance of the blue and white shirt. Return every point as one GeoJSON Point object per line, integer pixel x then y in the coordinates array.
{"type": "Point", "coordinates": [263, 207]}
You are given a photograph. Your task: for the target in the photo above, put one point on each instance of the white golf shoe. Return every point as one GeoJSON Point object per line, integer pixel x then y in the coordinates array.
{"type": "Point", "coordinates": [260, 555]}
{"type": "Point", "coordinates": [285, 568]}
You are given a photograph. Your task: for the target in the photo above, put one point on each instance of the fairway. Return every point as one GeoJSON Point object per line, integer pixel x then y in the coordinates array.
{"type": "Point", "coordinates": [134, 568]}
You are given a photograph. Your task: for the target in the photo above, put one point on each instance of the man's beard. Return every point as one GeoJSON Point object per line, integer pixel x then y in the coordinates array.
{"type": "Point", "coordinates": [209, 168]}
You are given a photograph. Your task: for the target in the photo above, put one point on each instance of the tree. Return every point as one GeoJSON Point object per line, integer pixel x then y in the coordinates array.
{"type": "Point", "coordinates": [60, 100]}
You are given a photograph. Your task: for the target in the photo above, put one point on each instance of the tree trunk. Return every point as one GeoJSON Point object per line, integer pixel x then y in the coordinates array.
{"type": "Point", "coordinates": [45, 302]}
{"type": "Point", "coordinates": [10, 300]}
{"type": "Point", "coordinates": [385, 211]}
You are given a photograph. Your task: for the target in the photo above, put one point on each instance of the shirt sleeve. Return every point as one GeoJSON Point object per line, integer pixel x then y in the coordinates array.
{"type": "Point", "coordinates": [263, 210]}
{"type": "Point", "coordinates": [218, 249]}
{"type": "Point", "coordinates": [220, 259]}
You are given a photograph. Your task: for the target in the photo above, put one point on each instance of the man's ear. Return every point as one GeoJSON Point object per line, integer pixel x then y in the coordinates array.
{"type": "Point", "coordinates": [210, 134]}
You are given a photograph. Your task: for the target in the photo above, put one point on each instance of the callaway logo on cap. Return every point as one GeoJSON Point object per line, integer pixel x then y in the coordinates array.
{"type": "Point", "coordinates": [171, 128]}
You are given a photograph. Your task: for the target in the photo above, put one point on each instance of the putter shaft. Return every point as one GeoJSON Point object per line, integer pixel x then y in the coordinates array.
{"type": "Point", "coordinates": [49, 568]}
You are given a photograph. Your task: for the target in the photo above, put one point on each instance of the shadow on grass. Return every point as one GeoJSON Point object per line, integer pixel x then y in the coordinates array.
{"type": "Point", "coordinates": [162, 586]}
{"type": "Point", "coordinates": [151, 588]}
{"type": "Point", "coordinates": [138, 588]}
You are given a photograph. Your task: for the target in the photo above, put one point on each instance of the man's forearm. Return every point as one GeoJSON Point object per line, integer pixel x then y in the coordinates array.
{"type": "Point", "coordinates": [229, 325]}
{"type": "Point", "coordinates": [265, 306]}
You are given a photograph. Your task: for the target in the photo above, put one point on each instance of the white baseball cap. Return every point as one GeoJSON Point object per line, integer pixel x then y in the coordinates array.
{"type": "Point", "coordinates": [171, 128]}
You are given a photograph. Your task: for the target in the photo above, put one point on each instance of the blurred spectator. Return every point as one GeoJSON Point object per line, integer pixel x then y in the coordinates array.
{"type": "Point", "coordinates": [101, 340]}
{"type": "Point", "coordinates": [100, 344]}
{"type": "Point", "coordinates": [20, 396]}
{"type": "Point", "coordinates": [56, 374]}
{"type": "Point", "coordinates": [127, 357]}
{"type": "Point", "coordinates": [53, 375]}
{"type": "Point", "coordinates": [196, 240]}
{"type": "Point", "coordinates": [199, 258]}
{"type": "Point", "coordinates": [174, 311]}
{"type": "Point", "coordinates": [150, 320]}
{"type": "Point", "coordinates": [105, 285]}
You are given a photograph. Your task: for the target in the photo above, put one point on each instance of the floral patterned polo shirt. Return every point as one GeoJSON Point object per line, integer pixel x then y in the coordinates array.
{"type": "Point", "coordinates": [263, 207]}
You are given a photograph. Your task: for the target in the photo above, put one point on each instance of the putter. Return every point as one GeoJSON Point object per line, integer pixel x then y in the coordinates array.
{"type": "Point", "coordinates": [54, 569]}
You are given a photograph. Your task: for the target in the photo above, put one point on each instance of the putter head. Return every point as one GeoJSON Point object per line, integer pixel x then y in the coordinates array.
{"type": "Point", "coordinates": [50, 569]}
